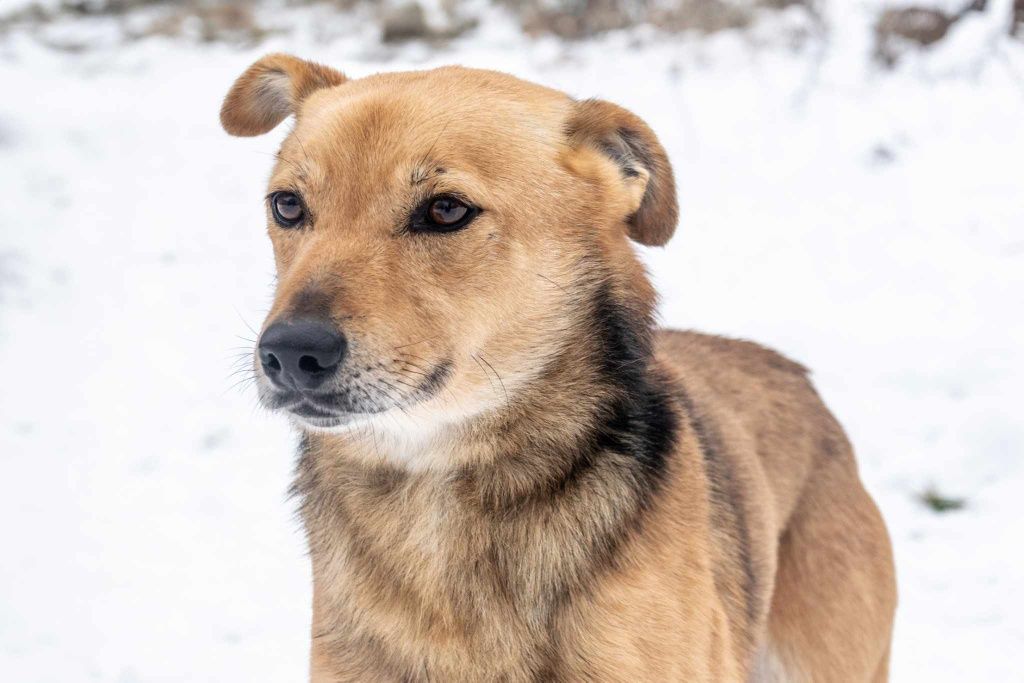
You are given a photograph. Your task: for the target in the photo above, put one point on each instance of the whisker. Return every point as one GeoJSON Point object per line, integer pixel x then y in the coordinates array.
{"type": "Point", "coordinates": [400, 394]}
{"type": "Point", "coordinates": [430, 150]}
{"type": "Point", "coordinates": [425, 339]}
{"type": "Point", "coordinates": [244, 322]}
{"type": "Point", "coordinates": [407, 384]}
{"type": "Point", "coordinates": [500, 381]}
{"type": "Point", "coordinates": [410, 355]}
{"type": "Point", "coordinates": [545, 277]}
{"type": "Point", "coordinates": [239, 384]}
{"type": "Point", "coordinates": [416, 370]}
{"type": "Point", "coordinates": [486, 374]}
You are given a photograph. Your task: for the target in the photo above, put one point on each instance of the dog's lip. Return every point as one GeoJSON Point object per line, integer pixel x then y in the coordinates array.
{"type": "Point", "coordinates": [307, 412]}
{"type": "Point", "coordinates": [308, 405]}
{"type": "Point", "coordinates": [302, 403]}
{"type": "Point", "coordinates": [306, 408]}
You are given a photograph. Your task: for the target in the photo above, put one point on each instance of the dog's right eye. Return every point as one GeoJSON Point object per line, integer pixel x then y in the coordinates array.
{"type": "Point", "coordinates": [287, 209]}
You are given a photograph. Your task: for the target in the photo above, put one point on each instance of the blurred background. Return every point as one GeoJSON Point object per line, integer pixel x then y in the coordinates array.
{"type": "Point", "coordinates": [850, 175]}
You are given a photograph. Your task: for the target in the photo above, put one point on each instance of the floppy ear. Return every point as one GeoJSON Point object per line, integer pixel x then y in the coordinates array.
{"type": "Point", "coordinates": [270, 90]}
{"type": "Point", "coordinates": [643, 165]}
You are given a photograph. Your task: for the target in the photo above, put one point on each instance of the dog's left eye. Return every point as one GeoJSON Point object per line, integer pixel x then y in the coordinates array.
{"type": "Point", "coordinates": [443, 213]}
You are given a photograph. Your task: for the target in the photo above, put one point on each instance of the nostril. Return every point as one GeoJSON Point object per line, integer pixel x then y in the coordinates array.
{"type": "Point", "coordinates": [310, 365]}
{"type": "Point", "coordinates": [271, 362]}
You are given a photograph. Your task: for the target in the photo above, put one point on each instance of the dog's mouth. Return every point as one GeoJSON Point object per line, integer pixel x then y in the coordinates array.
{"type": "Point", "coordinates": [340, 406]}
{"type": "Point", "coordinates": [311, 412]}
{"type": "Point", "coordinates": [324, 411]}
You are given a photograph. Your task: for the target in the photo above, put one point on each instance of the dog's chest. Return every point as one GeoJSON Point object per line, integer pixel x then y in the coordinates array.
{"type": "Point", "coordinates": [416, 566]}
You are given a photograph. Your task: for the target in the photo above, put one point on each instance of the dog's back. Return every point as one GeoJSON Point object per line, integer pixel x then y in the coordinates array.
{"type": "Point", "coordinates": [796, 526]}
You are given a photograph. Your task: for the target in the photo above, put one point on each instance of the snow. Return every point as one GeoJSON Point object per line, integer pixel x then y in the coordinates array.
{"type": "Point", "coordinates": [869, 224]}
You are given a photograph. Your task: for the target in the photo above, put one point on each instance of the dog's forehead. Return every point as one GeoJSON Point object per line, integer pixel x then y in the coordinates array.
{"type": "Point", "coordinates": [451, 114]}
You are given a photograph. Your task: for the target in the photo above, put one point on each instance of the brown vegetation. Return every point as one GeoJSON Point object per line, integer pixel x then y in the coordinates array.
{"type": "Point", "coordinates": [899, 29]}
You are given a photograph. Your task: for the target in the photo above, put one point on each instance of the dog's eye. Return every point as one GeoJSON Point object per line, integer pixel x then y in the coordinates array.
{"type": "Point", "coordinates": [447, 211]}
{"type": "Point", "coordinates": [287, 209]}
{"type": "Point", "coordinates": [444, 213]}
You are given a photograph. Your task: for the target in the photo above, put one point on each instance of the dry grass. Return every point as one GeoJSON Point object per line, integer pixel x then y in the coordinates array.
{"type": "Point", "coordinates": [408, 21]}
{"type": "Point", "coordinates": [238, 21]}
{"type": "Point", "coordinates": [575, 19]}
{"type": "Point", "coordinates": [907, 28]}
{"type": "Point", "coordinates": [233, 22]}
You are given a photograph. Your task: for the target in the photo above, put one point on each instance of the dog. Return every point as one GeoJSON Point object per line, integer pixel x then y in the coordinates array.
{"type": "Point", "coordinates": [506, 472]}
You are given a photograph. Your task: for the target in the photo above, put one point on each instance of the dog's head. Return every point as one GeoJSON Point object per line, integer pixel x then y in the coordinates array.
{"type": "Point", "coordinates": [434, 232]}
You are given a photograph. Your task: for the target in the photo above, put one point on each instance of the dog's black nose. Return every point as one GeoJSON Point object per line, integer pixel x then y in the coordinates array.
{"type": "Point", "coordinates": [301, 354]}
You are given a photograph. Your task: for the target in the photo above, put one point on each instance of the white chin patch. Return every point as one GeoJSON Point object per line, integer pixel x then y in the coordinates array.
{"type": "Point", "coordinates": [416, 438]}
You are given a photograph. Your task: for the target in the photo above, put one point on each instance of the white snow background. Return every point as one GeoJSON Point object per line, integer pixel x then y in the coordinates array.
{"type": "Point", "coordinates": [869, 224]}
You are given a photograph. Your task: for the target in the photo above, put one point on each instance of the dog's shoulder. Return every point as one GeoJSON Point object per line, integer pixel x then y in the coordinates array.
{"type": "Point", "coordinates": [755, 394]}
{"type": "Point", "coordinates": [753, 390]}
{"type": "Point", "coordinates": [698, 349]}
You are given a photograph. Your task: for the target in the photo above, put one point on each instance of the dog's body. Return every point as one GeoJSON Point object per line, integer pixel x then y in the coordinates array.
{"type": "Point", "coordinates": [506, 473]}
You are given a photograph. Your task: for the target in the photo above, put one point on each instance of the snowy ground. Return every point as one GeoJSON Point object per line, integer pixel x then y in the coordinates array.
{"type": "Point", "coordinates": [869, 224]}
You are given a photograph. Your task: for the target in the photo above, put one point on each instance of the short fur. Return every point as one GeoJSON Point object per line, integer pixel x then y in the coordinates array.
{"type": "Point", "coordinates": [526, 480]}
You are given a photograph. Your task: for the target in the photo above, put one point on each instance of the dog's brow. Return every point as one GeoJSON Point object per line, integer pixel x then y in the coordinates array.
{"type": "Point", "coordinates": [421, 174]}
{"type": "Point", "coordinates": [297, 167]}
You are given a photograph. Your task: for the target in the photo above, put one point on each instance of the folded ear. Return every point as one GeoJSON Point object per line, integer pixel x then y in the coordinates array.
{"type": "Point", "coordinates": [643, 165]}
{"type": "Point", "coordinates": [270, 90]}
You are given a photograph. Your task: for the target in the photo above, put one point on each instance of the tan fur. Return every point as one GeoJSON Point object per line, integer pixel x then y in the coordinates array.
{"type": "Point", "coordinates": [583, 498]}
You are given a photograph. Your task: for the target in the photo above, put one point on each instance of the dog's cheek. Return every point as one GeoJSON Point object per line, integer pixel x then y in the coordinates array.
{"type": "Point", "coordinates": [284, 253]}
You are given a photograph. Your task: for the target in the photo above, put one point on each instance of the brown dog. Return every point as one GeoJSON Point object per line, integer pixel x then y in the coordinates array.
{"type": "Point", "coordinates": [506, 473]}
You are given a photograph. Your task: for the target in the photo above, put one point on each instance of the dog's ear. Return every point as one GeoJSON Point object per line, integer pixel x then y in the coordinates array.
{"type": "Point", "coordinates": [270, 90]}
{"type": "Point", "coordinates": [643, 166]}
